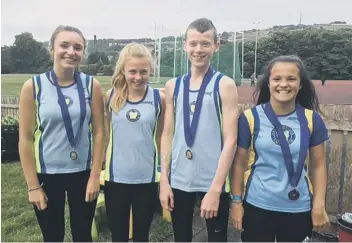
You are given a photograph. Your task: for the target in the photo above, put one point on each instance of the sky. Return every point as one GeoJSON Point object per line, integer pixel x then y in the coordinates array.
{"type": "Point", "coordinates": [119, 19]}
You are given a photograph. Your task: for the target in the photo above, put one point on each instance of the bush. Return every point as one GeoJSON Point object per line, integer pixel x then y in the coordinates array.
{"type": "Point", "coordinates": [9, 139]}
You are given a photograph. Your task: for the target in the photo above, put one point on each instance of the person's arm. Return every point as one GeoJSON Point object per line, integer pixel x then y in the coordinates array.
{"type": "Point", "coordinates": [229, 99]}
{"type": "Point", "coordinates": [241, 156]}
{"type": "Point", "coordinates": [161, 119]}
{"type": "Point", "coordinates": [239, 167]}
{"type": "Point", "coordinates": [166, 195]}
{"type": "Point", "coordinates": [97, 108]}
{"type": "Point", "coordinates": [317, 156]}
{"type": "Point", "coordinates": [167, 134]}
{"type": "Point", "coordinates": [27, 123]}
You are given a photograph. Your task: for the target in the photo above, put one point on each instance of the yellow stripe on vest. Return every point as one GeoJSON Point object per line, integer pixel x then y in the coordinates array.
{"type": "Point", "coordinates": [251, 153]}
{"type": "Point", "coordinates": [108, 156]}
{"type": "Point", "coordinates": [37, 132]}
{"type": "Point", "coordinates": [309, 116]}
{"type": "Point", "coordinates": [251, 156]}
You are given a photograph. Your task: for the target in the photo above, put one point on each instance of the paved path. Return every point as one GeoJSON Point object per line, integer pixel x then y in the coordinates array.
{"type": "Point", "coordinates": [200, 232]}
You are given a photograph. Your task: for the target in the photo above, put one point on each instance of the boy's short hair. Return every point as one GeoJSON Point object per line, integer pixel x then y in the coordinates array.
{"type": "Point", "coordinates": [202, 25]}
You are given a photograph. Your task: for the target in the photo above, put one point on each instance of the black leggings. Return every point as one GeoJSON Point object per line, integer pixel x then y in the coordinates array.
{"type": "Point", "coordinates": [262, 225]}
{"type": "Point", "coordinates": [118, 200]}
{"type": "Point", "coordinates": [182, 217]}
{"type": "Point", "coordinates": [52, 219]}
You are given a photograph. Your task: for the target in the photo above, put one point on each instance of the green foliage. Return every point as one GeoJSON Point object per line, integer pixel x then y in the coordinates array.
{"type": "Point", "coordinates": [6, 60]}
{"type": "Point", "coordinates": [107, 70]}
{"type": "Point", "coordinates": [327, 53]}
{"type": "Point", "coordinates": [28, 55]}
{"type": "Point", "coordinates": [96, 57]}
{"type": "Point", "coordinates": [9, 120]}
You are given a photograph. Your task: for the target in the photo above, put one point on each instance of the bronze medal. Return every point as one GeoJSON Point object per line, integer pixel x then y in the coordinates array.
{"type": "Point", "coordinates": [189, 154]}
{"type": "Point", "coordinates": [73, 155]}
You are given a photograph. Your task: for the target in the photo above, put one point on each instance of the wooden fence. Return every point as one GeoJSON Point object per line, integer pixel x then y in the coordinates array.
{"type": "Point", "coordinates": [338, 119]}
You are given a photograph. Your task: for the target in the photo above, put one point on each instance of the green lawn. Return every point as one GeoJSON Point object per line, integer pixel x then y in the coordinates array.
{"type": "Point", "coordinates": [18, 221]}
{"type": "Point", "coordinates": [11, 83]}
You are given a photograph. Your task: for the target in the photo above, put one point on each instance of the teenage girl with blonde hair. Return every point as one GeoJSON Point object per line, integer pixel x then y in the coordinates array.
{"type": "Point", "coordinates": [134, 125]}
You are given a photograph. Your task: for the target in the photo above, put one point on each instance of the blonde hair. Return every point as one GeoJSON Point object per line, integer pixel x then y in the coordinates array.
{"type": "Point", "coordinates": [119, 84]}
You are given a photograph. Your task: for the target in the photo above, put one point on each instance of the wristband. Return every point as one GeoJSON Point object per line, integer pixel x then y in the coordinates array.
{"type": "Point", "coordinates": [236, 198]}
{"type": "Point", "coordinates": [36, 188]}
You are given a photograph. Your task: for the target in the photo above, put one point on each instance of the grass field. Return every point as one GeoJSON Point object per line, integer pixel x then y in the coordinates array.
{"type": "Point", "coordinates": [18, 221]}
{"type": "Point", "coordinates": [11, 83]}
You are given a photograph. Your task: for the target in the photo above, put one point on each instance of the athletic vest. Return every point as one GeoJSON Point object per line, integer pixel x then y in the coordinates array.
{"type": "Point", "coordinates": [266, 180]}
{"type": "Point", "coordinates": [132, 155]}
{"type": "Point", "coordinates": [197, 174]}
{"type": "Point", "coordinates": [51, 145]}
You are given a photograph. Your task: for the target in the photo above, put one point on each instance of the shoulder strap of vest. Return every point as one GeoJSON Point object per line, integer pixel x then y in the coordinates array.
{"type": "Point", "coordinates": [217, 98]}
{"type": "Point", "coordinates": [109, 99]}
{"type": "Point", "coordinates": [36, 83]}
{"type": "Point", "coordinates": [89, 85]}
{"type": "Point", "coordinates": [177, 88]}
{"type": "Point", "coordinates": [157, 103]}
{"type": "Point", "coordinates": [250, 118]}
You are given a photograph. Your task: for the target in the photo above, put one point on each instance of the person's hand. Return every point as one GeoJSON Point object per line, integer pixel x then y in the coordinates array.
{"type": "Point", "coordinates": [320, 218]}
{"type": "Point", "coordinates": [210, 205]}
{"type": "Point", "coordinates": [166, 196]}
{"type": "Point", "coordinates": [237, 213]}
{"type": "Point", "coordinates": [93, 189]}
{"type": "Point", "coordinates": [38, 198]}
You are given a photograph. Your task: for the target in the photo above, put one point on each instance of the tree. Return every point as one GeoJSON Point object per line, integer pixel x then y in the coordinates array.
{"type": "Point", "coordinates": [28, 55]}
{"type": "Point", "coordinates": [225, 35]}
{"type": "Point", "coordinates": [42, 62]}
{"type": "Point", "coordinates": [339, 22]}
{"type": "Point", "coordinates": [6, 61]}
{"type": "Point", "coordinates": [97, 56]}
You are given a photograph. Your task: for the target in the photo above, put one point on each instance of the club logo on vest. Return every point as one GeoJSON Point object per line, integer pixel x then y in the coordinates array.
{"type": "Point", "coordinates": [133, 115]}
{"type": "Point", "coordinates": [209, 93]}
{"type": "Point", "coordinates": [192, 107]}
{"type": "Point", "coordinates": [288, 132]}
{"type": "Point", "coordinates": [68, 100]}
{"type": "Point", "coordinates": [148, 102]}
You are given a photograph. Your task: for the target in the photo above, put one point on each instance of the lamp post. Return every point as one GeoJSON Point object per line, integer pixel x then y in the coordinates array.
{"type": "Point", "coordinates": [255, 49]}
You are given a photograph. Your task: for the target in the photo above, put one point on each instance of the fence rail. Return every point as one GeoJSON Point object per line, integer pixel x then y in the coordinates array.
{"type": "Point", "coordinates": [338, 119]}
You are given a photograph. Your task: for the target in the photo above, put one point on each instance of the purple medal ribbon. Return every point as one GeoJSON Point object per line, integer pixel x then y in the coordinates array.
{"type": "Point", "coordinates": [293, 176]}
{"type": "Point", "coordinates": [190, 128]}
{"type": "Point", "coordinates": [64, 108]}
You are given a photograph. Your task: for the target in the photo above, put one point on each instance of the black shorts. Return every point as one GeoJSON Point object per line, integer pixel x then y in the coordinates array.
{"type": "Point", "coordinates": [262, 225]}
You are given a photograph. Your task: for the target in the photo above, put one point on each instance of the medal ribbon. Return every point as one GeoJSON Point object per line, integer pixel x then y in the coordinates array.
{"type": "Point", "coordinates": [64, 108]}
{"type": "Point", "coordinates": [293, 176]}
{"type": "Point", "coordinates": [190, 128]}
